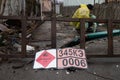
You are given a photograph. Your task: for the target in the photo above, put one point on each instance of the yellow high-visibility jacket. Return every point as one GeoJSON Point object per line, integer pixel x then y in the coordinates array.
{"type": "Point", "coordinates": [82, 12]}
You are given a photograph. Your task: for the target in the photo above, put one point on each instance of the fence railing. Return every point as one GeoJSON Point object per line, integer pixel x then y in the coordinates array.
{"type": "Point", "coordinates": [53, 34]}
{"type": "Point", "coordinates": [54, 20]}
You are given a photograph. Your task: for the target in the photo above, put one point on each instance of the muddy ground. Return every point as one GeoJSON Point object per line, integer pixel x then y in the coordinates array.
{"type": "Point", "coordinates": [98, 68]}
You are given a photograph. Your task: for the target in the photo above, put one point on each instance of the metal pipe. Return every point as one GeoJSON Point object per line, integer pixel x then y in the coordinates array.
{"type": "Point", "coordinates": [89, 37]}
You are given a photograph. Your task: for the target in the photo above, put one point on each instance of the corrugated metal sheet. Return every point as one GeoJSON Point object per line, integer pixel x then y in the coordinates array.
{"type": "Point", "coordinates": [78, 2]}
{"type": "Point", "coordinates": [12, 7]}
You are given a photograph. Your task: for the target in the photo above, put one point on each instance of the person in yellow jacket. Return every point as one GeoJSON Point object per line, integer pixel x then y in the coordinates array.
{"type": "Point", "coordinates": [83, 11]}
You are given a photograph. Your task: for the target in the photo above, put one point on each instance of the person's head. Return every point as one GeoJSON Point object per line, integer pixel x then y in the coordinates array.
{"type": "Point", "coordinates": [90, 6]}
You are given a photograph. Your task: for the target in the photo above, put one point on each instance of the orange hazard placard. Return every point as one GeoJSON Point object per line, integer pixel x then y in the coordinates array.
{"type": "Point", "coordinates": [45, 59]}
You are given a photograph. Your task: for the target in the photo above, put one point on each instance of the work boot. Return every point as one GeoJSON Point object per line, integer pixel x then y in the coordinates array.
{"type": "Point", "coordinates": [89, 30]}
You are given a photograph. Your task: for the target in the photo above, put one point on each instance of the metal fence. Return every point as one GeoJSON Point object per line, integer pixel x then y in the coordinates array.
{"type": "Point", "coordinates": [53, 20]}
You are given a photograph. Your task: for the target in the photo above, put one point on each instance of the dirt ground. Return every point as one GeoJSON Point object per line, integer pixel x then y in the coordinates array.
{"type": "Point", "coordinates": [98, 68]}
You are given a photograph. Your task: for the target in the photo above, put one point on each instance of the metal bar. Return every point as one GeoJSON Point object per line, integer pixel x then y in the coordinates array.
{"type": "Point", "coordinates": [39, 18]}
{"type": "Point", "coordinates": [38, 40]}
{"type": "Point", "coordinates": [53, 26]}
{"type": "Point", "coordinates": [33, 55]}
{"type": "Point", "coordinates": [24, 29]}
{"type": "Point", "coordinates": [86, 20]}
{"type": "Point", "coordinates": [16, 56]}
{"type": "Point", "coordinates": [59, 19]}
{"type": "Point", "coordinates": [72, 19]}
{"type": "Point", "coordinates": [10, 17]}
{"type": "Point", "coordinates": [110, 38]}
{"type": "Point", "coordinates": [82, 34]}
{"type": "Point", "coordinates": [53, 33]}
{"type": "Point", "coordinates": [103, 56]}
